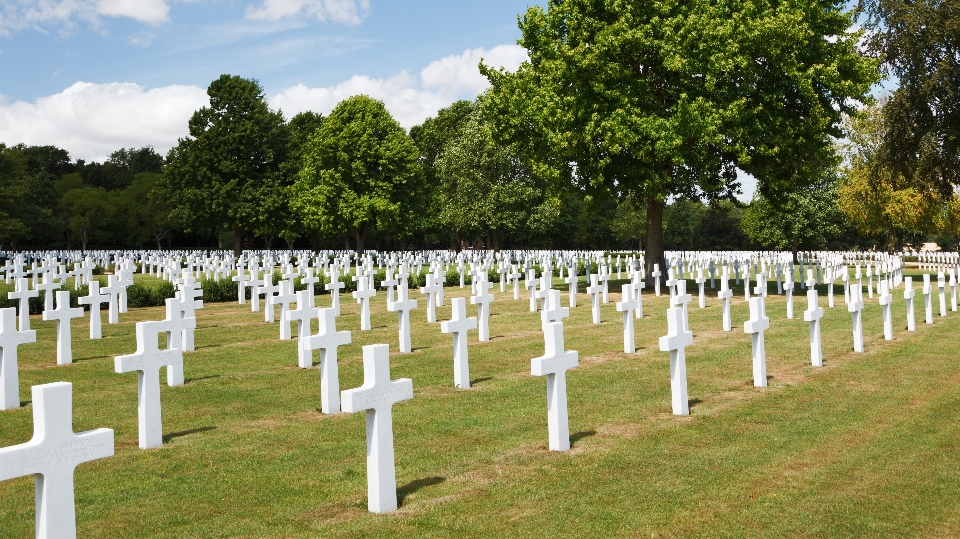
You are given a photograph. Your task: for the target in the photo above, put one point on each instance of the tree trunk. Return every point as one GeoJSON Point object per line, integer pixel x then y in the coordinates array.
{"type": "Point", "coordinates": [793, 249]}
{"type": "Point", "coordinates": [892, 240]}
{"type": "Point", "coordinates": [359, 234]}
{"type": "Point", "coordinates": [654, 242]}
{"type": "Point", "coordinates": [315, 242]}
{"type": "Point", "coordinates": [237, 241]}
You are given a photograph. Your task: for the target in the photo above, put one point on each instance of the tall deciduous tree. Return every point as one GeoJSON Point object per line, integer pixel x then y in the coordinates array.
{"type": "Point", "coordinates": [667, 98]}
{"type": "Point", "coordinates": [359, 169]}
{"type": "Point", "coordinates": [919, 43]}
{"type": "Point", "coordinates": [228, 173]}
{"type": "Point", "coordinates": [804, 218]}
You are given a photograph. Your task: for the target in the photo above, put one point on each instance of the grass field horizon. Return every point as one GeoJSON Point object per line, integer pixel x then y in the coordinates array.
{"type": "Point", "coordinates": [866, 446]}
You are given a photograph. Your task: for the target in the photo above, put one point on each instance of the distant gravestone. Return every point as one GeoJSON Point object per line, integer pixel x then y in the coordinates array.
{"type": "Point", "coordinates": [554, 365]}
{"type": "Point", "coordinates": [377, 396]}
{"type": "Point", "coordinates": [241, 279]}
{"type": "Point", "coordinates": [942, 294]}
{"type": "Point", "coordinates": [10, 339]}
{"type": "Point", "coordinates": [927, 299]}
{"type": "Point", "coordinates": [302, 315]}
{"type": "Point", "coordinates": [94, 299]}
{"type": "Point", "coordinates": [363, 295]}
{"type": "Point", "coordinates": [725, 294]}
{"type": "Point", "coordinates": [402, 307]}
{"type": "Point", "coordinates": [482, 300]}
{"type": "Point", "coordinates": [572, 281]}
{"type": "Point", "coordinates": [327, 340]}
{"type": "Point", "coordinates": [431, 290]}
{"type": "Point", "coordinates": [458, 325]}
{"type": "Point", "coordinates": [62, 315]}
{"type": "Point", "coordinates": [594, 290]}
{"type": "Point", "coordinates": [908, 295]}
{"type": "Point", "coordinates": [676, 341]}
{"type": "Point", "coordinates": [23, 293]}
{"type": "Point", "coordinates": [813, 314]}
{"type": "Point", "coordinates": [626, 305]}
{"type": "Point", "coordinates": [855, 308]}
{"type": "Point", "coordinates": [885, 300]}
{"type": "Point", "coordinates": [51, 456]}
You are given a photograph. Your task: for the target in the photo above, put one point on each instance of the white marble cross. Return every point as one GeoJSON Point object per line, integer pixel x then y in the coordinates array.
{"type": "Point", "coordinates": [515, 277]}
{"type": "Point", "coordinates": [94, 299]}
{"type": "Point", "coordinates": [23, 293]}
{"type": "Point", "coordinates": [626, 305]}
{"type": "Point", "coordinates": [51, 456]}
{"type": "Point", "coordinates": [725, 294]}
{"type": "Point", "coordinates": [62, 315]}
{"type": "Point", "coordinates": [334, 287]}
{"type": "Point", "coordinates": [458, 325]}
{"type": "Point", "coordinates": [10, 339]}
{"type": "Point", "coordinates": [402, 307]}
{"type": "Point", "coordinates": [572, 281]}
{"type": "Point", "coordinates": [908, 295]}
{"type": "Point", "coordinates": [269, 291]}
{"type": "Point", "coordinates": [431, 290]}
{"type": "Point", "coordinates": [482, 300]}
{"type": "Point", "coordinates": [255, 283]}
{"type": "Point", "coordinates": [364, 294]}
{"type": "Point", "coordinates": [594, 290]}
{"type": "Point", "coordinates": [855, 308]}
{"type": "Point", "coordinates": [327, 340]}
{"type": "Point", "coordinates": [682, 299]}
{"type": "Point", "coordinates": [638, 286]}
{"type": "Point", "coordinates": [885, 300]}
{"type": "Point", "coordinates": [757, 324]}
{"type": "Point", "coordinates": [241, 279]}
{"type": "Point", "coordinates": [377, 396]}
{"type": "Point", "coordinates": [788, 288]}
{"type": "Point", "coordinates": [284, 298]}
{"type": "Point", "coordinates": [553, 311]}
{"type": "Point", "coordinates": [113, 289]}
{"type": "Point", "coordinates": [390, 283]}
{"type": "Point", "coordinates": [176, 326]}
{"type": "Point", "coordinates": [942, 294]}
{"type": "Point", "coordinates": [146, 361]}
{"type": "Point", "coordinates": [48, 285]}
{"type": "Point", "coordinates": [813, 314]}
{"type": "Point", "coordinates": [531, 284]}
{"type": "Point", "coordinates": [701, 282]}
{"type": "Point", "coordinates": [302, 315]}
{"type": "Point", "coordinates": [927, 298]}
{"type": "Point", "coordinates": [554, 365]}
{"type": "Point", "coordinates": [656, 273]}
{"type": "Point", "coordinates": [676, 341]}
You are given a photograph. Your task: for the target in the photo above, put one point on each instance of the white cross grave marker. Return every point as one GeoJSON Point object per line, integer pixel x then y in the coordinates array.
{"type": "Point", "coordinates": [725, 294]}
{"type": "Point", "coordinates": [908, 295]}
{"type": "Point", "coordinates": [363, 295]}
{"type": "Point", "coordinates": [885, 300]}
{"type": "Point", "coordinates": [676, 341]}
{"type": "Point", "coordinates": [458, 325]}
{"type": "Point", "coordinates": [327, 340]}
{"type": "Point", "coordinates": [757, 324]}
{"type": "Point", "coordinates": [626, 305]}
{"type": "Point", "coordinates": [23, 293]}
{"type": "Point", "coordinates": [10, 339]}
{"type": "Point", "coordinates": [147, 361]}
{"type": "Point", "coordinates": [927, 299]}
{"type": "Point", "coordinates": [377, 396]}
{"type": "Point", "coordinates": [94, 299]}
{"type": "Point", "coordinates": [594, 290]}
{"type": "Point", "coordinates": [554, 365]}
{"type": "Point", "coordinates": [402, 307]}
{"type": "Point", "coordinates": [482, 300]}
{"type": "Point", "coordinates": [431, 290]}
{"type": "Point", "coordinates": [62, 315]}
{"type": "Point", "coordinates": [813, 314]}
{"type": "Point", "coordinates": [51, 456]}
{"type": "Point", "coordinates": [855, 308]}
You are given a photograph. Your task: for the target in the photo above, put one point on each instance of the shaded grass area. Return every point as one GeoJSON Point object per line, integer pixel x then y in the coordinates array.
{"type": "Point", "coordinates": [865, 446]}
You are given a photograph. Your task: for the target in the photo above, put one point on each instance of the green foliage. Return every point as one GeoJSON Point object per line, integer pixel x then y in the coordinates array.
{"type": "Point", "coordinates": [229, 172]}
{"type": "Point", "coordinates": [803, 219]}
{"type": "Point", "coordinates": [142, 295]}
{"type": "Point", "coordinates": [359, 169]}
{"type": "Point", "coordinates": [88, 209]}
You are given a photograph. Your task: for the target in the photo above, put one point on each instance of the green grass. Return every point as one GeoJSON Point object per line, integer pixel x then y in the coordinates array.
{"type": "Point", "coordinates": [866, 446]}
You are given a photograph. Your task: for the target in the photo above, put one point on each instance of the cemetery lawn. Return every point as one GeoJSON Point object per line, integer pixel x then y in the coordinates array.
{"type": "Point", "coordinates": [867, 446]}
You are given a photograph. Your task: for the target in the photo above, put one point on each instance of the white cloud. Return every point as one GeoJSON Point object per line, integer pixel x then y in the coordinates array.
{"type": "Point", "coordinates": [93, 120]}
{"type": "Point", "coordinates": [349, 12]}
{"type": "Point", "coordinates": [17, 15]}
{"type": "Point", "coordinates": [410, 100]}
{"type": "Point", "coordinates": [148, 11]}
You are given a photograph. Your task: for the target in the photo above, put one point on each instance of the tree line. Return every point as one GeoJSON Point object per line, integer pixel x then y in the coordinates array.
{"type": "Point", "coordinates": [625, 129]}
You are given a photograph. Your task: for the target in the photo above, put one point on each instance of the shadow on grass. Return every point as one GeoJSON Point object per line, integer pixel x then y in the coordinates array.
{"type": "Point", "coordinates": [88, 358]}
{"type": "Point", "coordinates": [25, 403]}
{"type": "Point", "coordinates": [416, 485]}
{"type": "Point", "coordinates": [478, 380]}
{"type": "Point", "coordinates": [197, 379]}
{"type": "Point", "coordinates": [172, 435]}
{"type": "Point", "coordinates": [577, 436]}
{"type": "Point", "coordinates": [693, 402]}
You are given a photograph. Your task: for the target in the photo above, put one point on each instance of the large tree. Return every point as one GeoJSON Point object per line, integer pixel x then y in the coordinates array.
{"type": "Point", "coordinates": [919, 43]}
{"type": "Point", "coordinates": [359, 170]}
{"type": "Point", "coordinates": [805, 218]}
{"type": "Point", "coordinates": [228, 174]}
{"type": "Point", "coordinates": [660, 99]}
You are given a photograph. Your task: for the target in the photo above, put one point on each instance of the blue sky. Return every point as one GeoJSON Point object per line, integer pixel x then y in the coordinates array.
{"type": "Point", "coordinates": [92, 76]}
{"type": "Point", "coordinates": [144, 64]}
